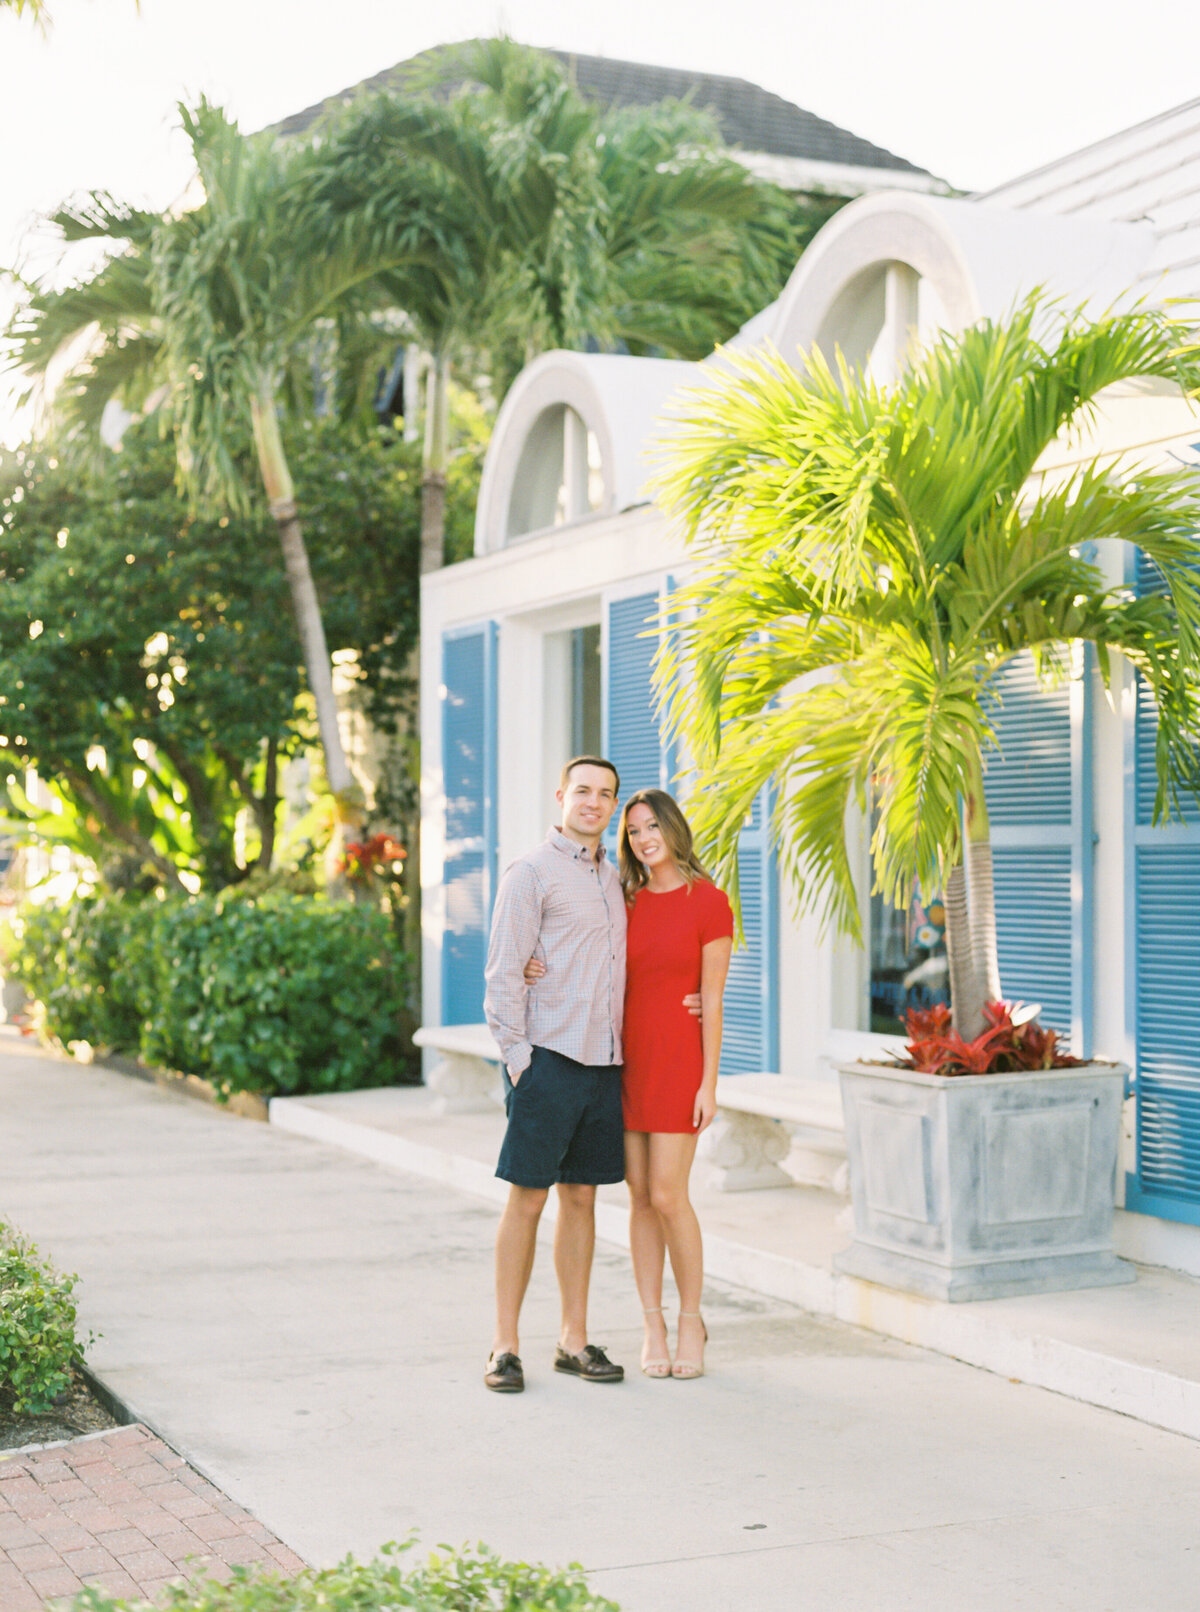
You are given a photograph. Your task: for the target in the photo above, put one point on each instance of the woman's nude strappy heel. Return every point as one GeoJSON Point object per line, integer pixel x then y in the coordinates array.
{"type": "Point", "coordinates": [685, 1370]}
{"type": "Point", "coordinates": [656, 1368]}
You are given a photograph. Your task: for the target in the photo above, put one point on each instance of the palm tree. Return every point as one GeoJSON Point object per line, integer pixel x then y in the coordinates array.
{"type": "Point", "coordinates": [875, 557]}
{"type": "Point", "coordinates": [695, 246]}
{"type": "Point", "coordinates": [533, 220]}
{"type": "Point", "coordinates": [212, 309]}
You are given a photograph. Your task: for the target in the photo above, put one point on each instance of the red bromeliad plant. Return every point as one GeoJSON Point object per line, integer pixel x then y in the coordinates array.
{"type": "Point", "coordinates": [1002, 1048]}
{"type": "Point", "coordinates": [366, 860]}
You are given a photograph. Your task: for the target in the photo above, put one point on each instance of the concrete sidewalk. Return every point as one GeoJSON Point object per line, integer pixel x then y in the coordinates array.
{"type": "Point", "coordinates": [1133, 1349]}
{"type": "Point", "coordinates": [308, 1328]}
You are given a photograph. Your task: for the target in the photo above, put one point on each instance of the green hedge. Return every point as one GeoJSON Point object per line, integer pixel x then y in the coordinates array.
{"type": "Point", "coordinates": [38, 1345]}
{"type": "Point", "coordinates": [461, 1581]}
{"type": "Point", "coordinates": [72, 959]}
{"type": "Point", "coordinates": [272, 994]}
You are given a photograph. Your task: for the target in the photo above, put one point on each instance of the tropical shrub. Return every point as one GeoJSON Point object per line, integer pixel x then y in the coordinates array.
{"type": "Point", "coordinates": [74, 960]}
{"type": "Point", "coordinates": [38, 1342]}
{"type": "Point", "coordinates": [1002, 1048]}
{"type": "Point", "coordinates": [284, 995]}
{"type": "Point", "coordinates": [277, 993]}
{"type": "Point", "coordinates": [459, 1581]}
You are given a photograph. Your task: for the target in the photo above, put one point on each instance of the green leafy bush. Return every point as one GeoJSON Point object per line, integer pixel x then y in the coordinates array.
{"type": "Point", "coordinates": [38, 1345]}
{"type": "Point", "coordinates": [275, 993]}
{"type": "Point", "coordinates": [455, 1581]}
{"type": "Point", "coordinates": [73, 960]}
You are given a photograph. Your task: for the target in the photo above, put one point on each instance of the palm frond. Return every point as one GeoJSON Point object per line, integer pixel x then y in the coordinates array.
{"type": "Point", "coordinates": [873, 557]}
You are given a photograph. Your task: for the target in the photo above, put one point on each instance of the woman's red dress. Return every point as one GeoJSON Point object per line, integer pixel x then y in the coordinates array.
{"type": "Point", "coordinates": [664, 1055]}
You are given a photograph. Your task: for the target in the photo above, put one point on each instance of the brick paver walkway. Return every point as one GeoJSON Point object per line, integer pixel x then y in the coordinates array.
{"type": "Point", "coordinates": [120, 1510]}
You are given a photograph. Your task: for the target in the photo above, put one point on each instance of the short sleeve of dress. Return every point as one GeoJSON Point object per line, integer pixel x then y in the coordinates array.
{"type": "Point", "coordinates": [716, 915]}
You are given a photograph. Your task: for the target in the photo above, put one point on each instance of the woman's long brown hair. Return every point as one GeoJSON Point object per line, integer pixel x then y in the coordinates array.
{"type": "Point", "coordinates": [676, 835]}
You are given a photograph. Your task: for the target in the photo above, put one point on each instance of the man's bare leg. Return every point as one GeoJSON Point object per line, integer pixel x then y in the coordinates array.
{"type": "Point", "coordinates": [574, 1241]}
{"type": "Point", "coordinates": [516, 1242]}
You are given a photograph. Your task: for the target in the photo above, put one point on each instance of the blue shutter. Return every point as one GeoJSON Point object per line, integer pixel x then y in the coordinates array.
{"type": "Point", "coordinates": [750, 1043]}
{"type": "Point", "coordinates": [469, 771]}
{"type": "Point", "coordinates": [633, 742]}
{"type": "Point", "coordinates": [1163, 964]}
{"type": "Point", "coordinates": [1038, 798]}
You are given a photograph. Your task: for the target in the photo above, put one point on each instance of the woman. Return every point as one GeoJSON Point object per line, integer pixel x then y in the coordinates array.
{"type": "Point", "coordinates": [679, 939]}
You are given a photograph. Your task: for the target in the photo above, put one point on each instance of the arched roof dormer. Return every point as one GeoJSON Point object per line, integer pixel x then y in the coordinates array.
{"type": "Point", "coordinates": [570, 443]}
{"type": "Point", "coordinates": [895, 266]}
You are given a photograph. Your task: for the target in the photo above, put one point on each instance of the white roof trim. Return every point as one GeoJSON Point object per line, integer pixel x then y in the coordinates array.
{"type": "Point", "coordinates": [1110, 141]}
{"type": "Point", "coordinates": [834, 178]}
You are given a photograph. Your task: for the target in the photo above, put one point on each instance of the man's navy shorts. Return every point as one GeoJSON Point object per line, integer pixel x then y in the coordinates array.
{"type": "Point", "coordinates": [564, 1123]}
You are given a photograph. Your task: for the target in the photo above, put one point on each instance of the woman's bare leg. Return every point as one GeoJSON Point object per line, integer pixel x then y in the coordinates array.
{"type": "Point", "coordinates": [670, 1166]}
{"type": "Point", "coordinates": [647, 1246]}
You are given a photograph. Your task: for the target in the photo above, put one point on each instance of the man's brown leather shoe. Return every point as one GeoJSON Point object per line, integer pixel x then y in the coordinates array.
{"type": "Point", "coordinates": [591, 1363]}
{"type": "Point", "coordinates": [504, 1374]}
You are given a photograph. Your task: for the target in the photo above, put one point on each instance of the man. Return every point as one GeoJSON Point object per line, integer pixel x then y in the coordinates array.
{"type": "Point", "coordinates": [561, 1046]}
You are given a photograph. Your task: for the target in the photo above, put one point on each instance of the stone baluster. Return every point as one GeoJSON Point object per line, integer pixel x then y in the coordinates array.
{"type": "Point", "coordinates": [745, 1152]}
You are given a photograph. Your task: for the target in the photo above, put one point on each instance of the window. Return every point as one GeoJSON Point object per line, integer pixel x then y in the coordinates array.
{"type": "Point", "coordinates": [559, 475]}
{"type": "Point", "coordinates": [585, 691]}
{"type": "Point", "coordinates": [908, 961]}
{"type": "Point", "coordinates": [902, 963]}
{"type": "Point", "coordinates": [572, 695]}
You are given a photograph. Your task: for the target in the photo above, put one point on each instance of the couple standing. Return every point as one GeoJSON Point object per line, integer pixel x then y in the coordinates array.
{"type": "Point", "coordinates": [606, 1078]}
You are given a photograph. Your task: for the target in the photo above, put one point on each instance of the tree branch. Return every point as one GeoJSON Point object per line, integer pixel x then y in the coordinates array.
{"type": "Point", "coordinates": [121, 830]}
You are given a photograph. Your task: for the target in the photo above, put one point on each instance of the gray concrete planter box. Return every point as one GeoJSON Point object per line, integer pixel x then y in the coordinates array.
{"type": "Point", "coordinates": [983, 1186]}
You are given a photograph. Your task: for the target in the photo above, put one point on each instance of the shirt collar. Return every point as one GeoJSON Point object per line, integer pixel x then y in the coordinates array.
{"type": "Point", "coordinates": [570, 847]}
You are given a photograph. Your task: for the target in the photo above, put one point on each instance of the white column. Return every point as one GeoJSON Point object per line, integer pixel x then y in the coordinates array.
{"type": "Point", "coordinates": [575, 465]}
{"type": "Point", "coordinates": [900, 317]}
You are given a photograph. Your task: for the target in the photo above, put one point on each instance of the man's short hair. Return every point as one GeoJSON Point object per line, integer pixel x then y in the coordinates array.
{"type": "Point", "coordinates": [589, 761]}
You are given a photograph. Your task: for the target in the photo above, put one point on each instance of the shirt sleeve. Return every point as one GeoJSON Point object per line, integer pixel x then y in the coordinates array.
{"type": "Point", "coordinates": [516, 924]}
{"type": "Point", "coordinates": [716, 915]}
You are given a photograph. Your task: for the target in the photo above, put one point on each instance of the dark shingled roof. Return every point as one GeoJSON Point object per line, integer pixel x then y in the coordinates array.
{"type": "Point", "coordinates": [750, 118]}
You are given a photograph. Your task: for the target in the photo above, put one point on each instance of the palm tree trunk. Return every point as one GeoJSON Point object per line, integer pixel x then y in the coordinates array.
{"type": "Point", "coordinates": [966, 1004]}
{"type": "Point", "coordinates": [435, 459]}
{"type": "Point", "coordinates": [971, 916]}
{"type": "Point", "coordinates": [984, 956]}
{"type": "Point", "coordinates": [982, 889]}
{"type": "Point", "coordinates": [277, 479]}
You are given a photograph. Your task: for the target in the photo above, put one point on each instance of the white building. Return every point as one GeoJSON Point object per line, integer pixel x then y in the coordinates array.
{"type": "Point", "coordinates": [531, 651]}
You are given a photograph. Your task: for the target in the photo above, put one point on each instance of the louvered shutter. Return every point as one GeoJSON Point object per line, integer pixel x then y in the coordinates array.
{"type": "Point", "coordinates": [750, 1044]}
{"type": "Point", "coordinates": [1164, 988]}
{"type": "Point", "coordinates": [469, 771]}
{"type": "Point", "coordinates": [633, 741]}
{"type": "Point", "coordinates": [1038, 800]}
{"type": "Point", "coordinates": [632, 738]}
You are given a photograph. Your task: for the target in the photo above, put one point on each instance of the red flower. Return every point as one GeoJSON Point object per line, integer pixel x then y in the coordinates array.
{"type": "Point", "coordinates": [376, 856]}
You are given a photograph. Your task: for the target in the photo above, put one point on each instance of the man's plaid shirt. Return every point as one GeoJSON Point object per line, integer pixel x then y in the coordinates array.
{"type": "Point", "coordinates": [566, 908]}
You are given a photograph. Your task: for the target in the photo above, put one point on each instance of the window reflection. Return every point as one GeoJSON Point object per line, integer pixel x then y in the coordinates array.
{"type": "Point", "coordinates": [908, 960]}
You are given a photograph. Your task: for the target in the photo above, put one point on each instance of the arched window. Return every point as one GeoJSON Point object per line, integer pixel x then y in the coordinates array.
{"type": "Point", "coordinates": [880, 317]}
{"type": "Point", "coordinates": [559, 477]}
